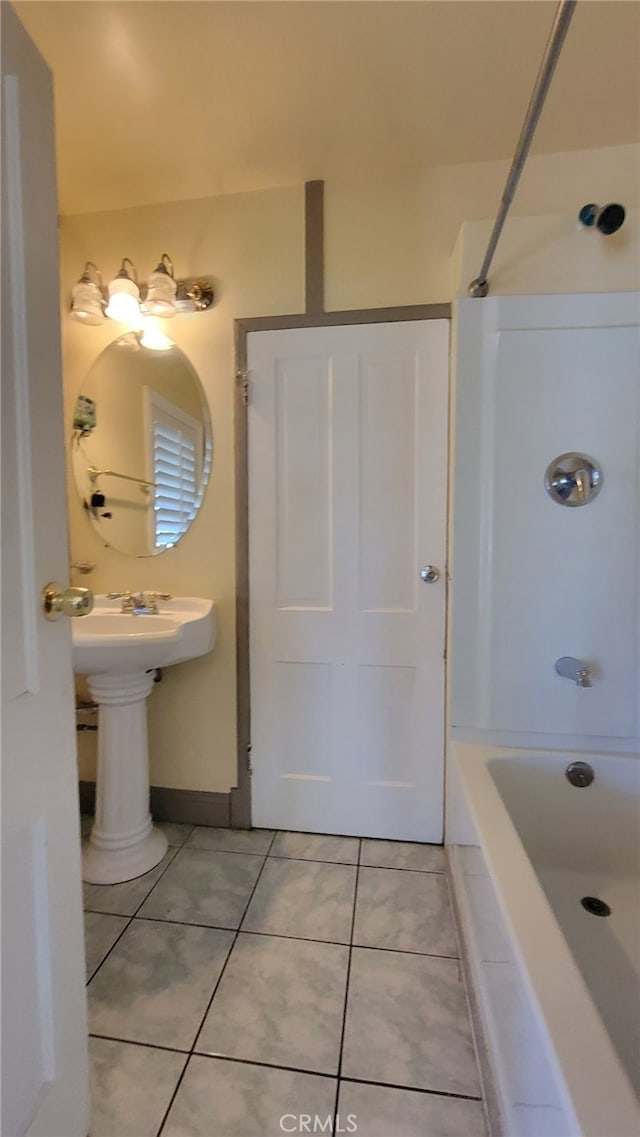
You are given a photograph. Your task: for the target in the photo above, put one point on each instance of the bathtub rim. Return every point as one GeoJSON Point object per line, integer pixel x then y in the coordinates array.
{"type": "Point", "coordinates": [559, 996]}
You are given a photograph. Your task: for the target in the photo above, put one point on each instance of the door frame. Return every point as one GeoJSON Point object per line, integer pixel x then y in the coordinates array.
{"type": "Point", "coordinates": [240, 814]}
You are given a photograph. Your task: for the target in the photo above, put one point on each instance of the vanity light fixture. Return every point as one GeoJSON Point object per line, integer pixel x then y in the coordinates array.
{"type": "Point", "coordinates": [124, 296]}
{"type": "Point", "coordinates": [128, 300]}
{"type": "Point", "coordinates": [89, 298]}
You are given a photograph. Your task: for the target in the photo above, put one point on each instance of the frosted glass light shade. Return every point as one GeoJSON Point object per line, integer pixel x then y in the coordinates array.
{"type": "Point", "coordinates": [161, 295]}
{"type": "Point", "coordinates": [124, 301]}
{"type": "Point", "coordinates": [87, 303]}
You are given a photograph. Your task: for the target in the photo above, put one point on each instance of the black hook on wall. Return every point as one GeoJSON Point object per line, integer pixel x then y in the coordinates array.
{"type": "Point", "coordinates": [606, 218]}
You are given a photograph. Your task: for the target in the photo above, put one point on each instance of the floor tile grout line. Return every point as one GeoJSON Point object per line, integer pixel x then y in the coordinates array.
{"type": "Point", "coordinates": [290, 1069]}
{"type": "Point", "coordinates": [129, 919]}
{"type": "Point", "coordinates": [346, 987]}
{"type": "Point", "coordinates": [263, 1065]}
{"type": "Point", "coordinates": [187, 923]}
{"type": "Point", "coordinates": [406, 868]}
{"type": "Point", "coordinates": [192, 1049]}
{"type": "Point", "coordinates": [137, 1042]}
{"type": "Point", "coordinates": [276, 832]}
{"type": "Point", "coordinates": [411, 1089]}
{"type": "Point", "coordinates": [312, 860]}
{"type": "Point", "coordinates": [233, 852]}
{"type": "Point", "coordinates": [291, 936]}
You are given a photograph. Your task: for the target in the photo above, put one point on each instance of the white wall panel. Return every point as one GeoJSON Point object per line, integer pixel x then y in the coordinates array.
{"type": "Point", "coordinates": [534, 580]}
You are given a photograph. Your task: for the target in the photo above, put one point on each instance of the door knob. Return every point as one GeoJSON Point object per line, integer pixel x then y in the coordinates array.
{"type": "Point", "coordinates": [429, 574]}
{"type": "Point", "coordinates": [60, 601]}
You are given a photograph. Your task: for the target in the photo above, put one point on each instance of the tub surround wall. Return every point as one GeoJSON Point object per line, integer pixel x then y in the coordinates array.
{"type": "Point", "coordinates": [385, 245]}
{"type": "Point", "coordinates": [547, 1047]}
{"type": "Point", "coordinates": [533, 581]}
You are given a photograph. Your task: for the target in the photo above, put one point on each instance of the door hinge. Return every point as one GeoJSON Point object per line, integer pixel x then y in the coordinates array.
{"type": "Point", "coordinates": [243, 378]}
{"type": "Point", "coordinates": [249, 763]}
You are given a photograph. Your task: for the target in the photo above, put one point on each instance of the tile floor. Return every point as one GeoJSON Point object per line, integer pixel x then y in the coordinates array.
{"type": "Point", "coordinates": [260, 983]}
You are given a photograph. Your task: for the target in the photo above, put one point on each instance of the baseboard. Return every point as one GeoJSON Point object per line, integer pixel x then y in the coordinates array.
{"type": "Point", "coordinates": [191, 807]}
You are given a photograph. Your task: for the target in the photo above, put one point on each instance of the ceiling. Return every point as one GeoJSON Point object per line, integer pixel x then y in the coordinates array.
{"type": "Point", "coordinates": [161, 100]}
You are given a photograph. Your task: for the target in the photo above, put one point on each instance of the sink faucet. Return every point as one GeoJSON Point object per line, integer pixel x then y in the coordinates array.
{"type": "Point", "coordinates": [136, 603]}
{"type": "Point", "coordinates": [141, 603]}
{"type": "Point", "coordinates": [575, 669]}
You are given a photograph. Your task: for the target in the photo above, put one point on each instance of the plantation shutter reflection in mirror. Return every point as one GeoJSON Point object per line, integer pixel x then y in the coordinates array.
{"type": "Point", "coordinates": [176, 464]}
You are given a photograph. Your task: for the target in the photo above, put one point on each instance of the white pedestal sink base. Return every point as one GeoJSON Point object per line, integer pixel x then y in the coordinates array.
{"type": "Point", "coordinates": [123, 843]}
{"type": "Point", "coordinates": [100, 866]}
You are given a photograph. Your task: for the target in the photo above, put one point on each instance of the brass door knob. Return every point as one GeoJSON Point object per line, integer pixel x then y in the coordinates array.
{"type": "Point", "coordinates": [60, 601]}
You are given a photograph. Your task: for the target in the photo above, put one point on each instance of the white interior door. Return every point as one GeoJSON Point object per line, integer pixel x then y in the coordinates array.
{"type": "Point", "coordinates": [44, 1041]}
{"type": "Point", "coordinates": [347, 503]}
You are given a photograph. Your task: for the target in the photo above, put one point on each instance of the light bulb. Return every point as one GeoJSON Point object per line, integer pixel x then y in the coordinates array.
{"type": "Point", "coordinates": [125, 309]}
{"type": "Point", "coordinates": [154, 338]}
{"type": "Point", "coordinates": [124, 298]}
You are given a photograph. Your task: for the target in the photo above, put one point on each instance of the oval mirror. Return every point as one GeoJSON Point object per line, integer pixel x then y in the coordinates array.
{"type": "Point", "coordinates": [141, 446]}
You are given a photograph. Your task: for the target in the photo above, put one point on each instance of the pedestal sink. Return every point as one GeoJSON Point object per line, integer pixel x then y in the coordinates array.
{"type": "Point", "coordinates": [119, 652]}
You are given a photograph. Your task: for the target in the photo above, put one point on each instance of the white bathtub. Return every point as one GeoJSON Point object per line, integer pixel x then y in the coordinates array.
{"type": "Point", "coordinates": [556, 988]}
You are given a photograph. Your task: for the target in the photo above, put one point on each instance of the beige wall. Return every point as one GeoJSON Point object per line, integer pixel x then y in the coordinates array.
{"type": "Point", "coordinates": [253, 245]}
{"type": "Point", "coordinates": [385, 244]}
{"type": "Point", "coordinates": [551, 254]}
{"type": "Point", "coordinates": [392, 243]}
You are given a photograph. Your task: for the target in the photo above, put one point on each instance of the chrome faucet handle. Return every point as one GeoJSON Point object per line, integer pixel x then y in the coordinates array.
{"type": "Point", "coordinates": [129, 601]}
{"type": "Point", "coordinates": [575, 669]}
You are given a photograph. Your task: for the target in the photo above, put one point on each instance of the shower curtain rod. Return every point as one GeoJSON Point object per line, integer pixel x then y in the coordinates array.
{"type": "Point", "coordinates": [480, 286]}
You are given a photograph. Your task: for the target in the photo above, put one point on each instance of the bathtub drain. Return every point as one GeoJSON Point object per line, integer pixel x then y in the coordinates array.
{"type": "Point", "coordinates": [595, 906]}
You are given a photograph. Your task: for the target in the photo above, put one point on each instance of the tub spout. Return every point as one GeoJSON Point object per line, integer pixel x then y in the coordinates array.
{"type": "Point", "coordinates": [575, 669]}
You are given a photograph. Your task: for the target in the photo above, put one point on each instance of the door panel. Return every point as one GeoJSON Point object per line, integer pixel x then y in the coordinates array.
{"type": "Point", "coordinates": [303, 515]}
{"type": "Point", "coordinates": [386, 514]}
{"type": "Point", "coordinates": [347, 500]}
{"type": "Point", "coordinates": [44, 1042]}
